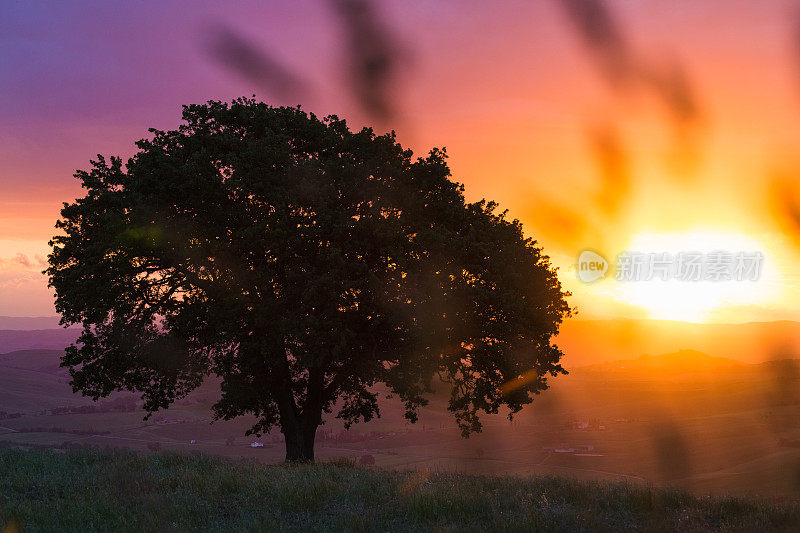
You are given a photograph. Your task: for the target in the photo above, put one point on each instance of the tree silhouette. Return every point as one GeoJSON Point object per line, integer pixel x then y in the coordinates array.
{"type": "Point", "coordinates": [302, 264]}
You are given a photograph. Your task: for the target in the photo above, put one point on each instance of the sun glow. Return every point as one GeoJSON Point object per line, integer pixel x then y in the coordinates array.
{"type": "Point", "coordinates": [695, 301]}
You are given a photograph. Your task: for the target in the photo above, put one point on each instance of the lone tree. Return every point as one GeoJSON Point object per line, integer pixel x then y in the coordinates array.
{"type": "Point", "coordinates": [302, 264]}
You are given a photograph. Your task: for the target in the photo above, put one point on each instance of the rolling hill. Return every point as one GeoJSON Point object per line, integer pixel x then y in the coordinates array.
{"type": "Point", "coordinates": [40, 339]}
{"type": "Point", "coordinates": [680, 363]}
{"type": "Point", "coordinates": [587, 342]}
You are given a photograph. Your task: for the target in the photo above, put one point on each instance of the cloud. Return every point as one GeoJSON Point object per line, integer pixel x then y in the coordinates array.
{"type": "Point", "coordinates": [22, 261]}
{"type": "Point", "coordinates": [24, 293]}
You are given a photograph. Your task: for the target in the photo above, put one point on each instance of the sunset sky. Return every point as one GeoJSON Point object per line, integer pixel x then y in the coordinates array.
{"type": "Point", "coordinates": [589, 149]}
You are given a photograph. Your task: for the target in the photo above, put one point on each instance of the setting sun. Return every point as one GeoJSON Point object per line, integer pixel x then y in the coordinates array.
{"type": "Point", "coordinates": [694, 300]}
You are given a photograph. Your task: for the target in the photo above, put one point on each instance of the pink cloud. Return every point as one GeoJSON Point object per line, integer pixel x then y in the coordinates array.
{"type": "Point", "coordinates": [22, 259]}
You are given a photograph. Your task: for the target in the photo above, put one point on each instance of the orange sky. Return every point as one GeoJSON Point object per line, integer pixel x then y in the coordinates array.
{"type": "Point", "coordinates": [510, 88]}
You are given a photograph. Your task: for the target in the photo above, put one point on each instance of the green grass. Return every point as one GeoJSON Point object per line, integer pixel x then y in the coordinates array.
{"type": "Point", "coordinates": [94, 491]}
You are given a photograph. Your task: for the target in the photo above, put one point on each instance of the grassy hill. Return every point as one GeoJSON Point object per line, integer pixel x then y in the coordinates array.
{"type": "Point", "coordinates": [94, 491]}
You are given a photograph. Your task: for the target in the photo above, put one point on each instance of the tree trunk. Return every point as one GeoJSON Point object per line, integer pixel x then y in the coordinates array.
{"type": "Point", "coordinates": [300, 444]}
{"type": "Point", "coordinates": [299, 427]}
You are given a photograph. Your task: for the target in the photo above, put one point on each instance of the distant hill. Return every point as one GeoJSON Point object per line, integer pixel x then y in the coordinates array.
{"type": "Point", "coordinates": [29, 322]}
{"type": "Point", "coordinates": [692, 365]}
{"type": "Point", "coordinates": [40, 339]}
{"type": "Point", "coordinates": [46, 361]}
{"type": "Point", "coordinates": [669, 364]}
{"type": "Point", "coordinates": [587, 342]}
{"type": "Point", "coordinates": [32, 380]}
{"type": "Point", "coordinates": [584, 342]}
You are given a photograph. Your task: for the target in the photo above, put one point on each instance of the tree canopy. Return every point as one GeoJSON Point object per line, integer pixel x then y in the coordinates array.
{"type": "Point", "coordinates": [302, 264]}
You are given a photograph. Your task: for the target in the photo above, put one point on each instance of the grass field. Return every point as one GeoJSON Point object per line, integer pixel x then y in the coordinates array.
{"type": "Point", "coordinates": [94, 491]}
